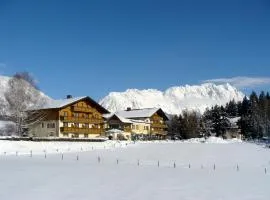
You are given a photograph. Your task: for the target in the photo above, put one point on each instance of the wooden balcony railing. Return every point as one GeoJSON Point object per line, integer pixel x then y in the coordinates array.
{"type": "Point", "coordinates": [81, 130]}
{"type": "Point", "coordinates": [127, 129]}
{"type": "Point", "coordinates": [159, 125]}
{"type": "Point", "coordinates": [82, 109]}
{"type": "Point", "coordinates": [82, 120]}
{"type": "Point", "coordinates": [159, 131]}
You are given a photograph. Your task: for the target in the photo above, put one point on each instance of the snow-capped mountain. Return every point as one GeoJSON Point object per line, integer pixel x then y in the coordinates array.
{"type": "Point", "coordinates": [175, 99]}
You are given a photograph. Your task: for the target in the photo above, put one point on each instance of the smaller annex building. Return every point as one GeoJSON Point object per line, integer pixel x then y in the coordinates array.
{"type": "Point", "coordinates": [79, 117]}
{"type": "Point", "coordinates": [147, 123]}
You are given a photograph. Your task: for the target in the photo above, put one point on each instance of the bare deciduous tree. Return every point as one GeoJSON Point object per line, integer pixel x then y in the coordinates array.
{"type": "Point", "coordinates": [22, 96]}
{"type": "Point", "coordinates": [27, 77]}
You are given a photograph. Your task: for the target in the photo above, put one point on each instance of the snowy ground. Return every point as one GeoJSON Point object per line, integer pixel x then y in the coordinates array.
{"type": "Point", "coordinates": [212, 174]}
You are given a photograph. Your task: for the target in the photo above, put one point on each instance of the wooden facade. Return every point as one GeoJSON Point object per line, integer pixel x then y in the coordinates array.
{"type": "Point", "coordinates": [140, 123]}
{"type": "Point", "coordinates": [115, 123]}
{"type": "Point", "coordinates": [81, 118]}
{"type": "Point", "coordinates": [158, 125]}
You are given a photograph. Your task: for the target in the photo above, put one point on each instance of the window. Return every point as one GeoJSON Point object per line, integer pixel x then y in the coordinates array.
{"type": "Point", "coordinates": [51, 125]}
{"type": "Point", "coordinates": [137, 127]}
{"type": "Point", "coordinates": [133, 126]}
{"type": "Point", "coordinates": [75, 114]}
{"type": "Point", "coordinates": [86, 125]}
{"type": "Point", "coordinates": [85, 135]}
{"type": "Point", "coordinates": [65, 113]}
{"type": "Point", "coordinates": [76, 125]}
{"type": "Point", "coordinates": [42, 125]}
{"type": "Point", "coordinates": [65, 134]}
{"type": "Point", "coordinates": [65, 124]}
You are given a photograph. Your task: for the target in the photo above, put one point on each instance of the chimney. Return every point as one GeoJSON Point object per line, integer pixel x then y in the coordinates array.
{"type": "Point", "coordinates": [69, 96]}
{"type": "Point", "coordinates": [128, 108]}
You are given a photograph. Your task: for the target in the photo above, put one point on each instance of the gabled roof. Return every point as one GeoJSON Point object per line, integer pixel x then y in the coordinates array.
{"type": "Point", "coordinates": [122, 119]}
{"type": "Point", "coordinates": [107, 115]}
{"type": "Point", "coordinates": [61, 103]}
{"type": "Point", "coordinates": [141, 113]}
{"type": "Point", "coordinates": [233, 120]}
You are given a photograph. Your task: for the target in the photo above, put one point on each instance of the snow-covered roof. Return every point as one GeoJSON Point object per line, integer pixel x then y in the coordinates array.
{"type": "Point", "coordinates": [114, 131]}
{"type": "Point", "coordinates": [60, 103]}
{"type": "Point", "coordinates": [108, 115]}
{"type": "Point", "coordinates": [138, 113]}
{"type": "Point", "coordinates": [233, 120]}
{"type": "Point", "coordinates": [122, 119]}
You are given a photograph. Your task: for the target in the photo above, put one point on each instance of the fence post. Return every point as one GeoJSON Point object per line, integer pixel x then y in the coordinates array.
{"type": "Point", "coordinates": [174, 165]}
{"type": "Point", "coordinates": [265, 170]}
{"type": "Point", "coordinates": [138, 163]}
{"type": "Point", "coordinates": [16, 153]}
{"type": "Point", "coordinates": [117, 161]}
{"type": "Point", "coordinates": [98, 159]}
{"type": "Point", "coordinates": [45, 155]}
{"type": "Point", "coordinates": [31, 153]}
{"type": "Point", "coordinates": [214, 166]}
{"type": "Point", "coordinates": [189, 166]}
{"type": "Point", "coordinates": [62, 157]}
{"type": "Point", "coordinates": [77, 157]}
{"type": "Point", "coordinates": [158, 163]}
{"type": "Point", "coordinates": [237, 167]}
{"type": "Point", "coordinates": [201, 166]}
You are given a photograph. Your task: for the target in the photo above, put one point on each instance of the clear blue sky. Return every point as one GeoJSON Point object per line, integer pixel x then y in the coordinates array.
{"type": "Point", "coordinates": [94, 47]}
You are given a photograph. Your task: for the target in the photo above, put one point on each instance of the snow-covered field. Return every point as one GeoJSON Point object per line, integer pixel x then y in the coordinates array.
{"type": "Point", "coordinates": [148, 170]}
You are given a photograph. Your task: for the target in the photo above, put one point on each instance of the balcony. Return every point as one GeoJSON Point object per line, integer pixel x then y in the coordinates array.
{"type": "Point", "coordinates": [82, 109]}
{"type": "Point", "coordinates": [159, 132]}
{"type": "Point", "coordinates": [81, 130]}
{"type": "Point", "coordinates": [127, 130]}
{"type": "Point", "coordinates": [81, 120]}
{"type": "Point", "coordinates": [159, 125]}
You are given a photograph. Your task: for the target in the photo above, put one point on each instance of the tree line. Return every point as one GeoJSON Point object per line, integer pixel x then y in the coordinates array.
{"type": "Point", "coordinates": [251, 117]}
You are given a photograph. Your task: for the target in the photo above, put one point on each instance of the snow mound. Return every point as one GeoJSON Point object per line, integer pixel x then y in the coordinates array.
{"type": "Point", "coordinates": [216, 140]}
{"type": "Point", "coordinates": [212, 140]}
{"type": "Point", "coordinates": [39, 148]}
{"type": "Point", "coordinates": [175, 99]}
